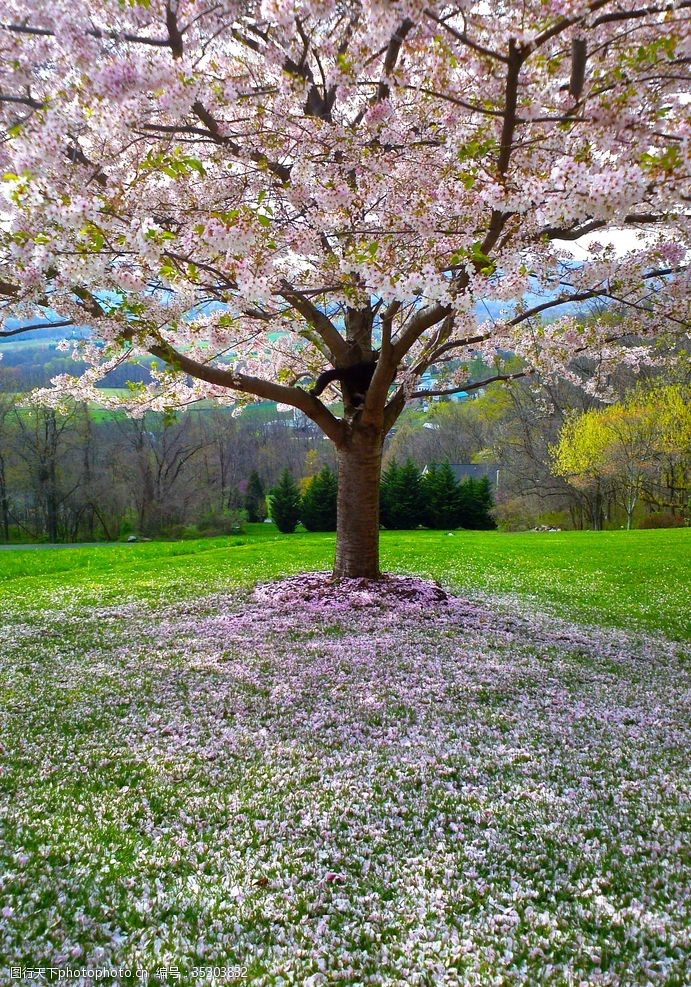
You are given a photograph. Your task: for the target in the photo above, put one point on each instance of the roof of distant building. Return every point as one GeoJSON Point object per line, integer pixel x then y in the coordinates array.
{"type": "Point", "coordinates": [462, 471]}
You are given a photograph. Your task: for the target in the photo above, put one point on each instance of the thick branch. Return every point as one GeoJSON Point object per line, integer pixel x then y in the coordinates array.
{"type": "Point", "coordinates": [75, 154]}
{"type": "Point", "coordinates": [387, 317]}
{"type": "Point", "coordinates": [464, 39]}
{"type": "Point", "coordinates": [34, 104]}
{"type": "Point", "coordinates": [318, 319]}
{"type": "Point", "coordinates": [92, 32]}
{"type": "Point", "coordinates": [473, 385]}
{"type": "Point", "coordinates": [174, 35]}
{"type": "Point", "coordinates": [216, 137]}
{"type": "Point", "coordinates": [8, 289]}
{"type": "Point", "coordinates": [394, 409]}
{"type": "Point", "coordinates": [6, 333]}
{"type": "Point", "coordinates": [268, 390]}
{"type": "Point", "coordinates": [626, 15]}
{"type": "Point", "coordinates": [566, 22]}
{"type": "Point", "coordinates": [515, 61]}
{"type": "Point", "coordinates": [582, 296]}
{"type": "Point", "coordinates": [391, 58]}
{"type": "Point", "coordinates": [281, 171]}
{"type": "Point", "coordinates": [316, 105]}
{"type": "Point", "coordinates": [579, 56]}
{"type": "Point", "coordinates": [576, 232]}
{"type": "Point", "coordinates": [386, 366]}
{"type": "Point", "coordinates": [420, 322]}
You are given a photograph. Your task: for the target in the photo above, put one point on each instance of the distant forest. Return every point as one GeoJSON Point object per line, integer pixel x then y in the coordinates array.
{"type": "Point", "coordinates": [26, 367]}
{"type": "Point", "coordinates": [93, 474]}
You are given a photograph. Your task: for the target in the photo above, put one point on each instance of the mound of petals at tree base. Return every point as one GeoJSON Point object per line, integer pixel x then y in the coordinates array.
{"type": "Point", "coordinates": [323, 594]}
{"type": "Point", "coordinates": [419, 791]}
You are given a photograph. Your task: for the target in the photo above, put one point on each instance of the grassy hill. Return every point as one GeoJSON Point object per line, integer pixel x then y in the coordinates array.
{"type": "Point", "coordinates": [196, 776]}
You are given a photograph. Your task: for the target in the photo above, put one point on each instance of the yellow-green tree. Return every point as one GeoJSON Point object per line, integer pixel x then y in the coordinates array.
{"type": "Point", "coordinates": [623, 449]}
{"type": "Point", "coordinates": [674, 414]}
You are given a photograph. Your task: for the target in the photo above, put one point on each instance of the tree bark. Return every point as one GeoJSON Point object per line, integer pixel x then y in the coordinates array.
{"type": "Point", "coordinates": [357, 536]}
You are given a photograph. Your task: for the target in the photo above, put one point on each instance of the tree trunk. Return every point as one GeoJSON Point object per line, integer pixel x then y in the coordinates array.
{"type": "Point", "coordinates": [52, 514]}
{"type": "Point", "coordinates": [596, 511]}
{"type": "Point", "coordinates": [357, 536]}
{"type": "Point", "coordinates": [4, 503]}
{"type": "Point", "coordinates": [630, 507]}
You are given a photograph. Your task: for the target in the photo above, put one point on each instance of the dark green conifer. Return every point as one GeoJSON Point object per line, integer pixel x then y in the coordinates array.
{"type": "Point", "coordinates": [441, 496]}
{"type": "Point", "coordinates": [285, 503]}
{"type": "Point", "coordinates": [402, 498]}
{"type": "Point", "coordinates": [318, 511]}
{"type": "Point", "coordinates": [255, 498]}
{"type": "Point", "coordinates": [476, 503]}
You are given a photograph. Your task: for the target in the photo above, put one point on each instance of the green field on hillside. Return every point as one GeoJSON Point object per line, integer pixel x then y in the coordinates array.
{"type": "Point", "coordinates": [637, 579]}
{"type": "Point", "coordinates": [295, 784]}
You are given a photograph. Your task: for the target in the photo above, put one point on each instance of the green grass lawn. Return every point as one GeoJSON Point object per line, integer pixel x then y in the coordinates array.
{"type": "Point", "coordinates": [289, 787]}
{"type": "Point", "coordinates": [639, 579]}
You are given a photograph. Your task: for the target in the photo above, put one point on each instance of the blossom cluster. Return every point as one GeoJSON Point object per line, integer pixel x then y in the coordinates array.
{"type": "Point", "coordinates": [167, 160]}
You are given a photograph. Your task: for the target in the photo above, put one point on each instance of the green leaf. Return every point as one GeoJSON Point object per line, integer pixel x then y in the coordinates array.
{"type": "Point", "coordinates": [196, 165]}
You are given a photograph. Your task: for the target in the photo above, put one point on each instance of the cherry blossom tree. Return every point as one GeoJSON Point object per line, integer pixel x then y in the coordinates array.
{"type": "Point", "coordinates": [253, 192]}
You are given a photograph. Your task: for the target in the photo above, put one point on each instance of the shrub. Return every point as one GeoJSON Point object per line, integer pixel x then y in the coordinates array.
{"type": "Point", "coordinates": [225, 522]}
{"type": "Point", "coordinates": [318, 508]}
{"type": "Point", "coordinates": [284, 503]}
{"type": "Point", "coordinates": [662, 520]}
{"type": "Point", "coordinates": [554, 519]}
{"type": "Point", "coordinates": [190, 531]}
{"type": "Point", "coordinates": [515, 514]}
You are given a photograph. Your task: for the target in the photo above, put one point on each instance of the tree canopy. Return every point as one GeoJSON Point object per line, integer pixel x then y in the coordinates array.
{"type": "Point", "coordinates": [230, 186]}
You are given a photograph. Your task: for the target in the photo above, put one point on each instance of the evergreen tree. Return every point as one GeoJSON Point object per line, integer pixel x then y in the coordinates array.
{"type": "Point", "coordinates": [441, 497]}
{"type": "Point", "coordinates": [318, 510]}
{"type": "Point", "coordinates": [411, 505]}
{"type": "Point", "coordinates": [285, 503]}
{"type": "Point", "coordinates": [402, 497]}
{"type": "Point", "coordinates": [466, 503]}
{"type": "Point", "coordinates": [485, 505]}
{"type": "Point", "coordinates": [388, 494]}
{"type": "Point", "coordinates": [255, 498]}
{"type": "Point", "coordinates": [475, 505]}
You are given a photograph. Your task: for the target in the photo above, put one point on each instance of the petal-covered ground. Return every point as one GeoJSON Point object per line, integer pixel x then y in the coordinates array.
{"type": "Point", "coordinates": [331, 784]}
